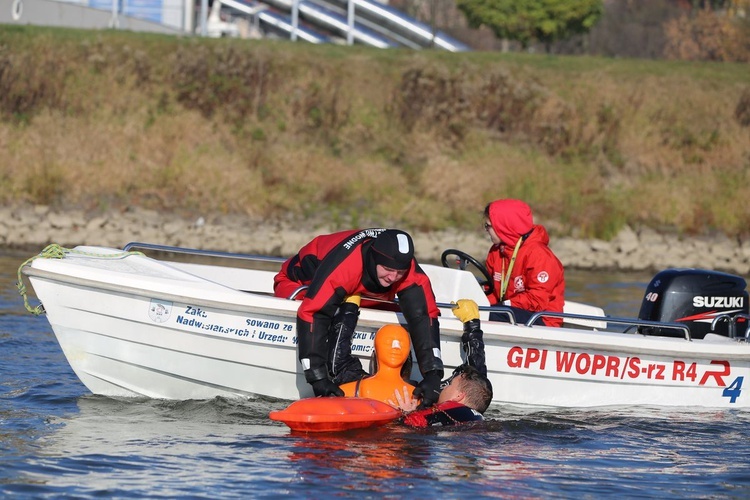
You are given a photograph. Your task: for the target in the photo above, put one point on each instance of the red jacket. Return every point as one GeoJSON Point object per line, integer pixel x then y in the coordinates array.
{"type": "Point", "coordinates": [537, 280]}
{"type": "Point", "coordinates": [335, 266]}
{"type": "Point", "coordinates": [442, 414]}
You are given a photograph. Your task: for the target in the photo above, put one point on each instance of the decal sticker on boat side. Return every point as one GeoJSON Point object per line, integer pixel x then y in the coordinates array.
{"type": "Point", "coordinates": [714, 374]}
{"type": "Point", "coordinates": [254, 329]}
{"type": "Point", "coordinates": [159, 310]}
{"type": "Point", "coordinates": [733, 390]}
{"type": "Point", "coordinates": [362, 342]}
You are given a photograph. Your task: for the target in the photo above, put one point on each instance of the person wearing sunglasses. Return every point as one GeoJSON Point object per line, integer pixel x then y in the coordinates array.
{"type": "Point", "coordinates": [467, 393]}
{"type": "Point", "coordinates": [527, 275]}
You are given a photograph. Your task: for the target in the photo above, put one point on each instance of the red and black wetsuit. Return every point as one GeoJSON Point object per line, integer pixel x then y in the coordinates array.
{"type": "Point", "coordinates": [338, 265]}
{"type": "Point", "coordinates": [442, 414]}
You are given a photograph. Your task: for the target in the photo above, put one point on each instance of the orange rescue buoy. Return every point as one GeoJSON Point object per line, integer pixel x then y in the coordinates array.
{"type": "Point", "coordinates": [335, 414]}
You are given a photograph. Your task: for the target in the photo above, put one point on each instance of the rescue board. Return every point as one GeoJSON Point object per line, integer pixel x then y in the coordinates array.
{"type": "Point", "coordinates": [335, 414]}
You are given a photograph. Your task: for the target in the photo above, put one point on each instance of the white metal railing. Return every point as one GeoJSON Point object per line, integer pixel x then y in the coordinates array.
{"type": "Point", "coordinates": [371, 22]}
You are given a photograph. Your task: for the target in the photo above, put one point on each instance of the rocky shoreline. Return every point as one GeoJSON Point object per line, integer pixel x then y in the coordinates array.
{"type": "Point", "coordinates": [643, 250]}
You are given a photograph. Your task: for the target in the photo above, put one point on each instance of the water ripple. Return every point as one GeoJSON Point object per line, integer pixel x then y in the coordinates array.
{"type": "Point", "coordinates": [56, 440]}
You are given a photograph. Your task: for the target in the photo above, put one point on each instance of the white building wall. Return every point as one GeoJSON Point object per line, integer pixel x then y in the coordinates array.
{"type": "Point", "coordinates": [174, 14]}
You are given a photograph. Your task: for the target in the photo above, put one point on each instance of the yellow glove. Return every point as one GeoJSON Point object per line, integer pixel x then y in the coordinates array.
{"type": "Point", "coordinates": [465, 310]}
{"type": "Point", "coordinates": [354, 299]}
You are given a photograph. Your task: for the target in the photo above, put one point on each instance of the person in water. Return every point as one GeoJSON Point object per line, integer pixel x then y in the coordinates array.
{"type": "Point", "coordinates": [466, 395]}
{"type": "Point", "coordinates": [335, 267]}
{"type": "Point", "coordinates": [527, 276]}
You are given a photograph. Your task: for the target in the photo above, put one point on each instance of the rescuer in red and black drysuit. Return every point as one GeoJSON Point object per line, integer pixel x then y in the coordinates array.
{"type": "Point", "coordinates": [527, 275]}
{"type": "Point", "coordinates": [377, 263]}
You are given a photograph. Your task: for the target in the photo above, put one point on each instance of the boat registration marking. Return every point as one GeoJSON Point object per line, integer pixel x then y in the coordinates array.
{"type": "Point", "coordinates": [612, 366]}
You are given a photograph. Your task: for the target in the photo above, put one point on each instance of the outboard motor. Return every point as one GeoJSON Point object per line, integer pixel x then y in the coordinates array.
{"type": "Point", "coordinates": [694, 297]}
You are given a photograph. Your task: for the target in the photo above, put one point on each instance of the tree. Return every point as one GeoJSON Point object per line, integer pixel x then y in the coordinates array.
{"type": "Point", "coordinates": [525, 21]}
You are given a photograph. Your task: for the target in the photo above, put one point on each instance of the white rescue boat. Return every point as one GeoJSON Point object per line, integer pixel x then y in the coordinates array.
{"type": "Point", "coordinates": [133, 325]}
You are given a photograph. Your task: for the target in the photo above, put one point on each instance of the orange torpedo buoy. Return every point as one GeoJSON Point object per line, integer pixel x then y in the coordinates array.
{"type": "Point", "coordinates": [335, 414]}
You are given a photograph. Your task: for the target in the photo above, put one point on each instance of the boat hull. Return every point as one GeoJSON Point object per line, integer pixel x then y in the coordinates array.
{"type": "Point", "coordinates": [142, 328]}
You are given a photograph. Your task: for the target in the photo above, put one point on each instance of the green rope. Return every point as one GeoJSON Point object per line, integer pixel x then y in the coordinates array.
{"type": "Point", "coordinates": [55, 251]}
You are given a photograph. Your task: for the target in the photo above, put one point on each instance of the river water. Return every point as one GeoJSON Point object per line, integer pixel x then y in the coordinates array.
{"type": "Point", "coordinates": [57, 440]}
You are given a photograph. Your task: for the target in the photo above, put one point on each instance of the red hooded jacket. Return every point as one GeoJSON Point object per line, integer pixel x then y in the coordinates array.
{"type": "Point", "coordinates": [537, 280]}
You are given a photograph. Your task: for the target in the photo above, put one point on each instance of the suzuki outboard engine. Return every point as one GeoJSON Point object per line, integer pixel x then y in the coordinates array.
{"type": "Point", "coordinates": [693, 297]}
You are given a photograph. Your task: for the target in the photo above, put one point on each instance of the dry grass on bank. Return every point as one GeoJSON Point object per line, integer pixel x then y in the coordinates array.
{"type": "Point", "coordinates": [104, 120]}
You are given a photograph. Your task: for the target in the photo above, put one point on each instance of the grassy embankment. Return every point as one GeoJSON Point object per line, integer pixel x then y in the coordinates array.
{"type": "Point", "coordinates": [423, 140]}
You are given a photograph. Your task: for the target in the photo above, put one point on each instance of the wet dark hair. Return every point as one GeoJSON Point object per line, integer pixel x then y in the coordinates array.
{"type": "Point", "coordinates": [476, 386]}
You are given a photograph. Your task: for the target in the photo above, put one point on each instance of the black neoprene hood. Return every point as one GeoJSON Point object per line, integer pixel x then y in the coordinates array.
{"type": "Point", "coordinates": [393, 249]}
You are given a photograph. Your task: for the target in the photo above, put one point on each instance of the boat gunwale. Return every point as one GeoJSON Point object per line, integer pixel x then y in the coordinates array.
{"type": "Point", "coordinates": [578, 339]}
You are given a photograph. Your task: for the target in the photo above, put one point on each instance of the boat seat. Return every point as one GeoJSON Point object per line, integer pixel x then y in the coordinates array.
{"type": "Point", "coordinates": [451, 285]}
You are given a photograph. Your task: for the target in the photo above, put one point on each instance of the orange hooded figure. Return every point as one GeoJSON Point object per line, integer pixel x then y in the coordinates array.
{"type": "Point", "coordinates": [392, 349]}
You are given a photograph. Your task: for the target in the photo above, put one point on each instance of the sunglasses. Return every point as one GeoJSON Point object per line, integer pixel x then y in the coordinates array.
{"type": "Point", "coordinates": [458, 371]}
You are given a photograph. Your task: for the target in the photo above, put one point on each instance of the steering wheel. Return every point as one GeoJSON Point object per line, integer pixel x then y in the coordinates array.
{"type": "Point", "coordinates": [462, 259]}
